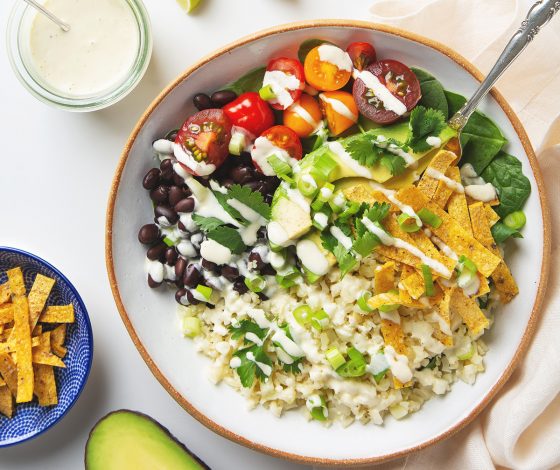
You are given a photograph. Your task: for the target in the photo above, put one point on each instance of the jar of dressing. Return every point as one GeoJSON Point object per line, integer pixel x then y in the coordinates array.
{"type": "Point", "coordinates": [95, 64]}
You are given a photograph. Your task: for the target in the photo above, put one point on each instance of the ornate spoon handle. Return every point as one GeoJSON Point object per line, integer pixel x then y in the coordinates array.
{"type": "Point", "coordinates": [539, 15]}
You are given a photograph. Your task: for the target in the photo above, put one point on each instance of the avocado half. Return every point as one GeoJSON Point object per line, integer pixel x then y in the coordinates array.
{"type": "Point", "coordinates": [127, 439]}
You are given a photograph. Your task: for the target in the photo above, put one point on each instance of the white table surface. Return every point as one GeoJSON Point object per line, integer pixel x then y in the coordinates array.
{"type": "Point", "coordinates": [56, 167]}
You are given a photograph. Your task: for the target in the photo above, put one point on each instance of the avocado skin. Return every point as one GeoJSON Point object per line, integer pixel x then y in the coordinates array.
{"type": "Point", "coordinates": [191, 461]}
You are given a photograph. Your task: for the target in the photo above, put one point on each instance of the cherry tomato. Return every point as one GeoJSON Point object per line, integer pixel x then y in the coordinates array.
{"type": "Point", "coordinates": [362, 54]}
{"type": "Point", "coordinates": [205, 138]}
{"type": "Point", "coordinates": [340, 110]}
{"type": "Point", "coordinates": [325, 75]}
{"type": "Point", "coordinates": [399, 80]}
{"type": "Point", "coordinates": [285, 138]}
{"type": "Point", "coordinates": [304, 116]}
{"type": "Point", "coordinates": [290, 67]}
{"type": "Point", "coordinates": [250, 112]}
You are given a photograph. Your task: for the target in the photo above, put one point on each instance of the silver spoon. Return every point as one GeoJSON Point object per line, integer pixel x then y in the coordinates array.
{"type": "Point", "coordinates": [539, 15]}
{"type": "Point", "coordinates": [51, 16]}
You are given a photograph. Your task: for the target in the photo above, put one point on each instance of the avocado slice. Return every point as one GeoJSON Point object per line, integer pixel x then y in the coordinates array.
{"type": "Point", "coordinates": [315, 237]}
{"type": "Point", "coordinates": [127, 439]}
{"type": "Point", "coordinates": [293, 219]}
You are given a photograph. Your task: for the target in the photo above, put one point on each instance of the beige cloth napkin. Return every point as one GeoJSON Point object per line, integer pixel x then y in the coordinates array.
{"type": "Point", "coordinates": [521, 428]}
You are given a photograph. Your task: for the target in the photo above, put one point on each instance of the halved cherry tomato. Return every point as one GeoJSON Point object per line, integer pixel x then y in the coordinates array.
{"type": "Point", "coordinates": [250, 112]}
{"type": "Point", "coordinates": [362, 54]}
{"type": "Point", "coordinates": [399, 80]}
{"type": "Point", "coordinates": [340, 110]}
{"type": "Point", "coordinates": [304, 116]}
{"type": "Point", "coordinates": [285, 138]}
{"type": "Point", "coordinates": [294, 70]}
{"type": "Point", "coordinates": [205, 138]}
{"type": "Point", "coordinates": [325, 75]}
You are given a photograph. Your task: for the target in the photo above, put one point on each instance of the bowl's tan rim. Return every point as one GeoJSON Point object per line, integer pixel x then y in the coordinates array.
{"type": "Point", "coordinates": [529, 330]}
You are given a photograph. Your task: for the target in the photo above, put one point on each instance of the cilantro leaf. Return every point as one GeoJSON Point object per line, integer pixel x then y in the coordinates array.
{"type": "Point", "coordinates": [222, 199]}
{"type": "Point", "coordinates": [361, 149]}
{"type": "Point", "coordinates": [377, 212]}
{"type": "Point", "coordinates": [252, 199]}
{"type": "Point", "coordinates": [293, 367]}
{"type": "Point", "coordinates": [328, 240]}
{"type": "Point", "coordinates": [394, 163]}
{"type": "Point", "coordinates": [206, 224]}
{"type": "Point", "coordinates": [228, 237]}
{"type": "Point", "coordinates": [423, 124]}
{"type": "Point", "coordinates": [345, 259]}
{"type": "Point", "coordinates": [247, 326]}
{"type": "Point", "coordinates": [248, 370]}
{"type": "Point", "coordinates": [365, 243]}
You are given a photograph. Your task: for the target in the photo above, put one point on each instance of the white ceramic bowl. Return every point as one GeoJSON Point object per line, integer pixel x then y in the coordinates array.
{"type": "Point", "coordinates": [150, 316]}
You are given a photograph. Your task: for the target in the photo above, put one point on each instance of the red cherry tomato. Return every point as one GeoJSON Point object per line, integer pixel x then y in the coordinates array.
{"type": "Point", "coordinates": [250, 112]}
{"type": "Point", "coordinates": [285, 138]}
{"type": "Point", "coordinates": [362, 54]}
{"type": "Point", "coordinates": [205, 138]}
{"type": "Point", "coordinates": [400, 81]}
{"type": "Point", "coordinates": [289, 67]}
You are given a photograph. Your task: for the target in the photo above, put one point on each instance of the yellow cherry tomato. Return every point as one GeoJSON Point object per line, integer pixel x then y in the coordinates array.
{"type": "Point", "coordinates": [304, 116]}
{"type": "Point", "coordinates": [324, 75]}
{"type": "Point", "coordinates": [340, 109]}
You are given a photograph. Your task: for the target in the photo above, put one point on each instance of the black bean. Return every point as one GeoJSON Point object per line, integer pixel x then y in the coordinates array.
{"type": "Point", "coordinates": [148, 234]}
{"type": "Point", "coordinates": [267, 270]}
{"type": "Point", "coordinates": [191, 299]}
{"type": "Point", "coordinates": [166, 167]}
{"type": "Point", "coordinates": [256, 260]}
{"type": "Point", "coordinates": [167, 212]}
{"type": "Point", "coordinates": [159, 194]}
{"type": "Point", "coordinates": [202, 101]}
{"type": "Point", "coordinates": [262, 296]}
{"type": "Point", "coordinates": [180, 294]}
{"type": "Point", "coordinates": [240, 286]}
{"type": "Point", "coordinates": [184, 205]}
{"type": "Point", "coordinates": [231, 273]}
{"type": "Point", "coordinates": [178, 180]}
{"type": "Point", "coordinates": [270, 185]}
{"type": "Point", "coordinates": [181, 227]}
{"type": "Point", "coordinates": [210, 266]}
{"type": "Point", "coordinates": [153, 284]}
{"type": "Point", "coordinates": [254, 185]}
{"type": "Point", "coordinates": [223, 97]}
{"type": "Point", "coordinates": [228, 183]}
{"type": "Point", "coordinates": [157, 252]}
{"type": "Point", "coordinates": [241, 174]}
{"type": "Point", "coordinates": [151, 179]}
{"type": "Point", "coordinates": [192, 276]}
{"type": "Point", "coordinates": [176, 193]}
{"type": "Point", "coordinates": [171, 256]}
{"type": "Point", "coordinates": [180, 267]}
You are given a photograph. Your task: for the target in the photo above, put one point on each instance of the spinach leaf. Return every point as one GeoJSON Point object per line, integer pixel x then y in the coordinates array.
{"type": "Point", "coordinates": [481, 139]}
{"type": "Point", "coordinates": [307, 45]}
{"type": "Point", "coordinates": [251, 81]}
{"type": "Point", "coordinates": [433, 94]}
{"type": "Point", "coordinates": [501, 232]}
{"type": "Point", "coordinates": [513, 187]}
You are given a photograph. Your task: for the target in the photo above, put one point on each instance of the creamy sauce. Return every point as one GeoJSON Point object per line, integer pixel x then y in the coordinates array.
{"type": "Point", "coordinates": [391, 316]}
{"type": "Point", "coordinates": [207, 204]}
{"type": "Point", "coordinates": [155, 270]}
{"type": "Point", "coordinates": [264, 148]}
{"type": "Point", "coordinates": [382, 142]}
{"type": "Point", "coordinates": [481, 192]}
{"type": "Point", "coordinates": [277, 234]}
{"type": "Point", "coordinates": [265, 368]}
{"type": "Point", "coordinates": [96, 54]}
{"type": "Point", "coordinates": [279, 336]}
{"type": "Point", "coordinates": [281, 84]}
{"type": "Point", "coordinates": [344, 240]}
{"type": "Point", "coordinates": [390, 101]}
{"type": "Point", "coordinates": [321, 218]}
{"type": "Point", "coordinates": [336, 56]}
{"type": "Point", "coordinates": [312, 257]}
{"type": "Point", "coordinates": [469, 284]}
{"type": "Point", "coordinates": [212, 251]}
{"type": "Point", "coordinates": [443, 247]}
{"type": "Point", "coordinates": [469, 175]}
{"type": "Point", "coordinates": [163, 146]}
{"type": "Point", "coordinates": [199, 168]}
{"type": "Point", "coordinates": [404, 208]}
{"type": "Point", "coordinates": [339, 107]}
{"type": "Point", "coordinates": [433, 141]}
{"type": "Point", "coordinates": [235, 362]}
{"type": "Point", "coordinates": [347, 160]}
{"type": "Point", "coordinates": [450, 183]}
{"type": "Point", "coordinates": [398, 364]}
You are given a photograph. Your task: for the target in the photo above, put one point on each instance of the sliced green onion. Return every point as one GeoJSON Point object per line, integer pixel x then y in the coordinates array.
{"type": "Point", "coordinates": [428, 217]}
{"type": "Point", "coordinates": [326, 192]}
{"type": "Point", "coordinates": [432, 364]}
{"type": "Point", "coordinates": [256, 283]}
{"type": "Point", "coordinates": [191, 327]}
{"type": "Point", "coordinates": [320, 220]}
{"type": "Point", "coordinates": [335, 200]}
{"type": "Point", "coordinates": [467, 271]}
{"type": "Point", "coordinates": [428, 280]}
{"type": "Point", "coordinates": [237, 143]}
{"type": "Point", "coordinates": [168, 241]}
{"type": "Point", "coordinates": [355, 366]}
{"type": "Point", "coordinates": [317, 407]}
{"type": "Point", "coordinates": [204, 291]}
{"type": "Point", "coordinates": [350, 210]}
{"type": "Point", "coordinates": [388, 308]}
{"type": "Point", "coordinates": [307, 185]}
{"type": "Point", "coordinates": [280, 167]}
{"type": "Point", "coordinates": [378, 377]}
{"type": "Point", "coordinates": [317, 205]}
{"type": "Point", "coordinates": [407, 224]}
{"type": "Point", "coordinates": [378, 366]}
{"type": "Point", "coordinates": [302, 314]}
{"type": "Point", "coordinates": [310, 277]}
{"type": "Point", "coordinates": [323, 167]}
{"type": "Point", "coordinates": [274, 247]}
{"type": "Point", "coordinates": [363, 301]}
{"type": "Point", "coordinates": [319, 319]}
{"type": "Point", "coordinates": [335, 358]}
{"type": "Point", "coordinates": [516, 220]}
{"type": "Point", "coordinates": [465, 354]}
{"type": "Point", "coordinates": [288, 278]}
{"type": "Point", "coordinates": [318, 414]}
{"type": "Point", "coordinates": [267, 93]}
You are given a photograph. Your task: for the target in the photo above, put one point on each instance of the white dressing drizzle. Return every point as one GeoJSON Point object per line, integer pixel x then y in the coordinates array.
{"type": "Point", "coordinates": [382, 142]}
{"type": "Point", "coordinates": [433, 141]}
{"type": "Point", "coordinates": [312, 257]}
{"type": "Point", "coordinates": [199, 168]}
{"type": "Point", "coordinates": [277, 234]}
{"type": "Point", "coordinates": [450, 183]}
{"type": "Point", "coordinates": [398, 364]}
{"type": "Point", "coordinates": [390, 101]}
{"type": "Point", "coordinates": [391, 316]}
{"type": "Point", "coordinates": [347, 160]}
{"type": "Point", "coordinates": [295, 196]}
{"type": "Point", "coordinates": [339, 107]}
{"type": "Point", "coordinates": [304, 114]}
{"type": "Point", "coordinates": [481, 192]}
{"type": "Point", "coordinates": [336, 56]}
{"type": "Point", "coordinates": [212, 251]}
{"type": "Point", "coordinates": [404, 208]}
{"type": "Point", "coordinates": [281, 83]}
{"type": "Point", "coordinates": [343, 239]}
{"type": "Point", "coordinates": [265, 368]}
{"type": "Point", "coordinates": [264, 148]}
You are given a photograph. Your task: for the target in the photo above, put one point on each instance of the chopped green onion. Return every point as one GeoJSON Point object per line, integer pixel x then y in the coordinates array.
{"type": "Point", "coordinates": [274, 247]}
{"type": "Point", "coordinates": [168, 241]}
{"type": "Point", "coordinates": [280, 167]}
{"type": "Point", "coordinates": [516, 220]}
{"type": "Point", "coordinates": [335, 358]}
{"type": "Point", "coordinates": [318, 414]}
{"type": "Point", "coordinates": [428, 217]}
{"type": "Point", "coordinates": [355, 366]}
{"type": "Point", "coordinates": [319, 319]}
{"type": "Point", "coordinates": [317, 205]}
{"type": "Point", "coordinates": [350, 210]}
{"type": "Point", "coordinates": [467, 271]}
{"type": "Point", "coordinates": [237, 143]}
{"type": "Point", "coordinates": [378, 377]}
{"type": "Point", "coordinates": [323, 168]}
{"type": "Point", "coordinates": [363, 301]}
{"type": "Point", "coordinates": [191, 327]}
{"type": "Point", "coordinates": [320, 220]}
{"type": "Point", "coordinates": [288, 278]}
{"type": "Point", "coordinates": [317, 407]}
{"type": "Point", "coordinates": [432, 364]}
{"type": "Point", "coordinates": [407, 223]}
{"type": "Point", "coordinates": [378, 366]}
{"type": "Point", "coordinates": [256, 283]}
{"type": "Point", "coordinates": [310, 277]}
{"type": "Point", "coordinates": [307, 185]}
{"type": "Point", "coordinates": [465, 354]}
{"type": "Point", "coordinates": [428, 280]}
{"type": "Point", "coordinates": [204, 291]}
{"type": "Point", "coordinates": [337, 202]}
{"type": "Point", "coordinates": [325, 192]}
{"type": "Point", "coordinates": [302, 314]}
{"type": "Point", "coordinates": [267, 93]}
{"type": "Point", "coordinates": [387, 308]}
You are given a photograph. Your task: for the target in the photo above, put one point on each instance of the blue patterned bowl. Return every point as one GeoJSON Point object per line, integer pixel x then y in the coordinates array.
{"type": "Point", "coordinates": [30, 419]}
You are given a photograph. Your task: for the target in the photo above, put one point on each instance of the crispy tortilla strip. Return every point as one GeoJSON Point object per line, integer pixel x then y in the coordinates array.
{"type": "Point", "coordinates": [469, 311]}
{"type": "Point", "coordinates": [406, 300]}
{"type": "Point", "coordinates": [2, 383]}
{"type": "Point", "coordinates": [384, 278]}
{"type": "Point", "coordinates": [58, 336]}
{"type": "Point", "coordinates": [414, 284]}
{"type": "Point", "coordinates": [23, 350]}
{"type": "Point", "coordinates": [441, 162]}
{"type": "Point", "coordinates": [503, 280]}
{"type": "Point", "coordinates": [457, 204]}
{"type": "Point", "coordinates": [42, 353]}
{"type": "Point", "coordinates": [393, 335]}
{"type": "Point", "coordinates": [6, 402]}
{"type": "Point", "coordinates": [493, 202]}
{"type": "Point", "coordinates": [37, 331]}
{"type": "Point", "coordinates": [443, 333]}
{"type": "Point", "coordinates": [16, 282]}
{"type": "Point", "coordinates": [8, 370]}
{"type": "Point", "coordinates": [38, 295]}
{"type": "Point", "coordinates": [5, 293]}
{"type": "Point", "coordinates": [393, 297]}
{"type": "Point", "coordinates": [484, 285]}
{"type": "Point", "coordinates": [6, 313]}
{"type": "Point", "coordinates": [363, 192]}
{"type": "Point", "coordinates": [443, 191]}
{"type": "Point", "coordinates": [58, 314]}
{"type": "Point", "coordinates": [45, 385]}
{"type": "Point", "coordinates": [10, 345]}
{"type": "Point", "coordinates": [491, 215]}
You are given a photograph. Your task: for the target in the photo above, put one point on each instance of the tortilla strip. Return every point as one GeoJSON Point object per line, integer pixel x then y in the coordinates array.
{"type": "Point", "coordinates": [491, 215]}
{"type": "Point", "coordinates": [441, 162]}
{"type": "Point", "coordinates": [414, 284]}
{"type": "Point", "coordinates": [45, 385]}
{"type": "Point", "coordinates": [493, 202]}
{"type": "Point", "coordinates": [37, 297]}
{"type": "Point", "coordinates": [16, 282]}
{"type": "Point", "coordinates": [443, 311]}
{"type": "Point", "coordinates": [393, 335]}
{"type": "Point", "coordinates": [443, 192]}
{"type": "Point", "coordinates": [58, 314]}
{"type": "Point", "coordinates": [6, 313]}
{"type": "Point", "coordinates": [10, 345]}
{"type": "Point", "coordinates": [58, 336]}
{"type": "Point", "coordinates": [23, 350]}
{"type": "Point", "coordinates": [8, 370]}
{"type": "Point", "coordinates": [457, 204]}
{"type": "Point", "coordinates": [384, 277]}
{"type": "Point", "coordinates": [469, 311]}
{"type": "Point", "coordinates": [5, 293]}
{"type": "Point", "coordinates": [42, 353]}
{"type": "Point", "coordinates": [6, 402]}
{"type": "Point", "coordinates": [363, 192]}
{"type": "Point", "coordinates": [503, 280]}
